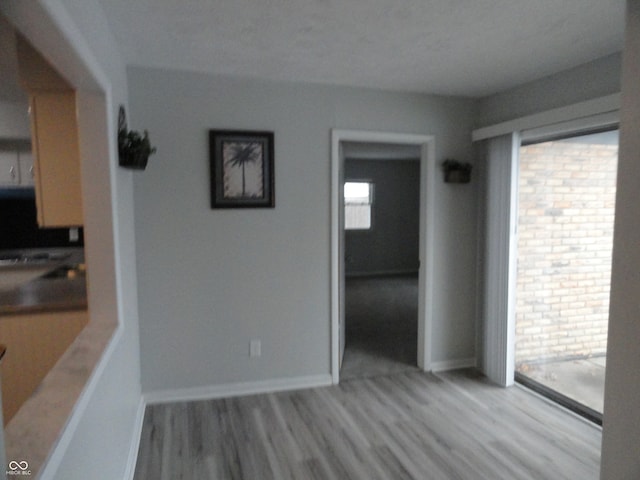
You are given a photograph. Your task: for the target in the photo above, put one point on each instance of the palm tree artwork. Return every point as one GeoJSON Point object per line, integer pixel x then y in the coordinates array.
{"type": "Point", "coordinates": [242, 165]}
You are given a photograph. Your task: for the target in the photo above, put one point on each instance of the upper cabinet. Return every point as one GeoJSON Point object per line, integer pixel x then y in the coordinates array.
{"type": "Point", "coordinates": [54, 140]}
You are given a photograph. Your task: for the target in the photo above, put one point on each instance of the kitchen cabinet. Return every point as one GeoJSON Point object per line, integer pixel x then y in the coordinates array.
{"type": "Point", "coordinates": [16, 168]}
{"type": "Point", "coordinates": [35, 342]}
{"type": "Point", "coordinates": [54, 139]}
{"type": "Point", "coordinates": [55, 146]}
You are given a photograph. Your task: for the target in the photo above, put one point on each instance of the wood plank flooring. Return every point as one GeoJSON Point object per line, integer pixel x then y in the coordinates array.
{"type": "Point", "coordinates": [403, 426]}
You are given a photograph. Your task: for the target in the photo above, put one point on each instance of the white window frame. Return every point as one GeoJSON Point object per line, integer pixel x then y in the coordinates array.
{"type": "Point", "coordinates": [368, 203]}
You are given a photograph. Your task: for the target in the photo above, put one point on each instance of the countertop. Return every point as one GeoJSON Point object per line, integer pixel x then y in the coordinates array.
{"type": "Point", "coordinates": [44, 294]}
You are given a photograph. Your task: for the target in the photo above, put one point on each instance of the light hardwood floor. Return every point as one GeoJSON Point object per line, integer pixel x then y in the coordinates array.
{"type": "Point", "coordinates": [403, 426]}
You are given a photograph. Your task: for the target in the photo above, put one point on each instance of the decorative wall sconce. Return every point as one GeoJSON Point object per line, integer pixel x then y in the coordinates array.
{"type": "Point", "coordinates": [456, 172]}
{"type": "Point", "coordinates": [133, 148]}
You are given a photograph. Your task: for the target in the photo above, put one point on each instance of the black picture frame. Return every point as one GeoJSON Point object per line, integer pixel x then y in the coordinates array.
{"type": "Point", "coordinates": [242, 169]}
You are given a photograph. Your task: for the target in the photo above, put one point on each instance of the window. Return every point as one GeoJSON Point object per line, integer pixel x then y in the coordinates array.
{"type": "Point", "coordinates": [357, 205]}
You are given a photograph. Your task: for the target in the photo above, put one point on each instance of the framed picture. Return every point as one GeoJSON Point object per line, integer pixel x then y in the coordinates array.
{"type": "Point", "coordinates": [242, 173]}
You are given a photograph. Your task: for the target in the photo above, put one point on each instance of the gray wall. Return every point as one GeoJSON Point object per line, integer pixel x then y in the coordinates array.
{"type": "Point", "coordinates": [585, 82]}
{"type": "Point", "coordinates": [621, 435]}
{"type": "Point", "coordinates": [392, 243]}
{"type": "Point", "coordinates": [14, 103]}
{"type": "Point", "coordinates": [212, 280]}
{"type": "Point", "coordinates": [14, 120]}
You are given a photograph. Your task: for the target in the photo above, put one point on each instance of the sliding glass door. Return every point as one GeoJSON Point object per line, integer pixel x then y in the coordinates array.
{"type": "Point", "coordinates": [566, 208]}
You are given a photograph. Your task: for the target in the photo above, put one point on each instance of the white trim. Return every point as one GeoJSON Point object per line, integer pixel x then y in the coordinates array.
{"type": "Point", "coordinates": [335, 255]}
{"type": "Point", "coordinates": [132, 458]}
{"type": "Point", "coordinates": [572, 127]}
{"type": "Point", "coordinates": [426, 280]}
{"type": "Point", "coordinates": [426, 247]}
{"type": "Point", "coordinates": [589, 108]}
{"type": "Point", "coordinates": [456, 364]}
{"type": "Point", "coordinates": [209, 392]}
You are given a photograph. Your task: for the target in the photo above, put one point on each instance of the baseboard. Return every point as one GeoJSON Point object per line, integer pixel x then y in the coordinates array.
{"type": "Point", "coordinates": [235, 389]}
{"type": "Point", "coordinates": [453, 364]}
{"type": "Point", "coordinates": [135, 441]}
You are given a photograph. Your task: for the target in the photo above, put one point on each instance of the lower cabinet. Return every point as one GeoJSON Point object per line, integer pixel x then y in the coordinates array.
{"type": "Point", "coordinates": [35, 342]}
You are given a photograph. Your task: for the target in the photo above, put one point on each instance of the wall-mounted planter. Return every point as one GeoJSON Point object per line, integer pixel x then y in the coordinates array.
{"type": "Point", "coordinates": [134, 161]}
{"type": "Point", "coordinates": [133, 148]}
{"type": "Point", "coordinates": [456, 172]}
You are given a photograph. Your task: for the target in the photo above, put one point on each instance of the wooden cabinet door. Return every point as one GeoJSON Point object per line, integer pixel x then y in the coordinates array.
{"type": "Point", "coordinates": [56, 159]}
{"type": "Point", "coordinates": [35, 342]}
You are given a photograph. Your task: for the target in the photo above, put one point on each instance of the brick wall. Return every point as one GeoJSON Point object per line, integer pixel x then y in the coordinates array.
{"type": "Point", "coordinates": [566, 213]}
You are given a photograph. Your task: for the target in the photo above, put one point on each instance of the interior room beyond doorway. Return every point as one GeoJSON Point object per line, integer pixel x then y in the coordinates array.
{"type": "Point", "coordinates": [381, 260]}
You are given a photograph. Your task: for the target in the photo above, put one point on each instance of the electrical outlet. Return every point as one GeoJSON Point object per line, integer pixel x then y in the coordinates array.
{"type": "Point", "coordinates": [255, 348]}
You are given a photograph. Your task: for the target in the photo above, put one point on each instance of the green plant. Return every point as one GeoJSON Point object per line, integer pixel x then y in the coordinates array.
{"type": "Point", "coordinates": [449, 164]}
{"type": "Point", "coordinates": [133, 148]}
{"type": "Point", "coordinates": [132, 143]}
{"type": "Point", "coordinates": [456, 172]}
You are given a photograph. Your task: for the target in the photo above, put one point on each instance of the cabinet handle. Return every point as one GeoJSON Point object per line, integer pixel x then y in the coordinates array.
{"type": "Point", "coordinates": [12, 172]}
{"type": "Point", "coordinates": [31, 171]}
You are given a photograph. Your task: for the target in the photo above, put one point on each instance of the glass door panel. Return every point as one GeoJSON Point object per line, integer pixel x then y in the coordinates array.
{"type": "Point", "coordinates": [566, 208]}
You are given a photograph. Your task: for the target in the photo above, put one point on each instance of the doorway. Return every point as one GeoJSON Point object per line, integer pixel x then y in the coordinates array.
{"type": "Point", "coordinates": [425, 145]}
{"type": "Point", "coordinates": [382, 200]}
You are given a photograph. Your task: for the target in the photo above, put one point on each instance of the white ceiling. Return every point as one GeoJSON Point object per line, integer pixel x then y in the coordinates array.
{"type": "Point", "coordinates": [451, 47]}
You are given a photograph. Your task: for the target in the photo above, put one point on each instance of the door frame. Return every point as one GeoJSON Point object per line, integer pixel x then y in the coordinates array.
{"type": "Point", "coordinates": [426, 241]}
